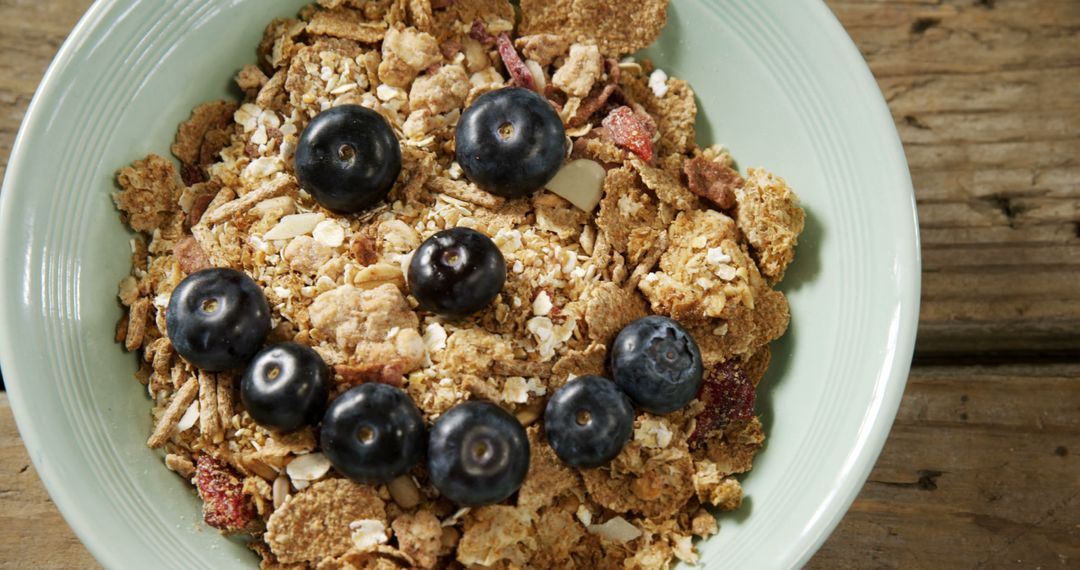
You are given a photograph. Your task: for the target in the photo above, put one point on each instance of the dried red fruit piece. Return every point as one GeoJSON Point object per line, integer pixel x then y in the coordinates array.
{"type": "Point", "coordinates": [628, 132]}
{"type": "Point", "coordinates": [713, 181]}
{"type": "Point", "coordinates": [224, 505]}
{"type": "Point", "coordinates": [479, 32]}
{"type": "Point", "coordinates": [728, 395]}
{"type": "Point", "coordinates": [198, 208]}
{"type": "Point", "coordinates": [518, 72]}
{"type": "Point", "coordinates": [599, 95]}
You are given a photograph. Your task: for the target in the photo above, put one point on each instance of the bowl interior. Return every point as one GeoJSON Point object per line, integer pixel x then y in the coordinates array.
{"type": "Point", "coordinates": [778, 82]}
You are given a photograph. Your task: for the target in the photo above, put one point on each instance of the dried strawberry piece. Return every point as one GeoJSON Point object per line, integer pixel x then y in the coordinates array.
{"type": "Point", "coordinates": [728, 395]}
{"type": "Point", "coordinates": [518, 72]}
{"type": "Point", "coordinates": [224, 505]}
{"type": "Point", "coordinates": [713, 181]}
{"type": "Point", "coordinates": [479, 32]}
{"type": "Point", "coordinates": [627, 131]}
{"type": "Point", "coordinates": [599, 95]}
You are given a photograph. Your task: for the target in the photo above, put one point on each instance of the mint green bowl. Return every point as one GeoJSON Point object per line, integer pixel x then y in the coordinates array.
{"type": "Point", "coordinates": [779, 82]}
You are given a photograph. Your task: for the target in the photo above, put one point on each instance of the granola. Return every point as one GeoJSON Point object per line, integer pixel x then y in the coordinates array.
{"type": "Point", "coordinates": [646, 222]}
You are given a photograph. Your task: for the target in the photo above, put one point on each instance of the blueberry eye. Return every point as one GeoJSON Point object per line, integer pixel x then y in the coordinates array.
{"type": "Point", "coordinates": [373, 433]}
{"type": "Point", "coordinates": [510, 142]}
{"type": "Point", "coordinates": [457, 272]}
{"type": "Point", "coordinates": [658, 364]}
{"type": "Point", "coordinates": [478, 454]}
{"type": "Point", "coordinates": [348, 158]}
{"type": "Point", "coordinates": [217, 319]}
{"type": "Point", "coordinates": [285, 387]}
{"type": "Point", "coordinates": [588, 421]}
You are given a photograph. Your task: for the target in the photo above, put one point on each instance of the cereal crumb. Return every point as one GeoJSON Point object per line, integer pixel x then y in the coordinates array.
{"type": "Point", "coordinates": [419, 536]}
{"type": "Point", "coordinates": [149, 190]}
{"type": "Point", "coordinates": [769, 215]}
{"type": "Point", "coordinates": [315, 523]}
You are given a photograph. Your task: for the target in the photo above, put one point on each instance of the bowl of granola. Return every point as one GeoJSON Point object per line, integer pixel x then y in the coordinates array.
{"type": "Point", "coordinates": [441, 283]}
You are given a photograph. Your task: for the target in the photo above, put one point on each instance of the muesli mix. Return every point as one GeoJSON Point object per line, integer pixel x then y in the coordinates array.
{"type": "Point", "coordinates": [453, 286]}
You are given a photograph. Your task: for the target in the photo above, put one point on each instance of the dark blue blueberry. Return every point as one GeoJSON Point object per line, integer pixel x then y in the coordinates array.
{"type": "Point", "coordinates": [456, 272]}
{"type": "Point", "coordinates": [348, 158]}
{"type": "Point", "coordinates": [285, 387]}
{"type": "Point", "coordinates": [588, 421]}
{"type": "Point", "coordinates": [510, 142]}
{"type": "Point", "coordinates": [373, 433]}
{"type": "Point", "coordinates": [478, 454]}
{"type": "Point", "coordinates": [217, 319]}
{"type": "Point", "coordinates": [657, 363]}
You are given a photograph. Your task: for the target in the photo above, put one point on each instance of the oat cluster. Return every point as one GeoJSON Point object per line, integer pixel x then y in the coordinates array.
{"type": "Point", "coordinates": [678, 232]}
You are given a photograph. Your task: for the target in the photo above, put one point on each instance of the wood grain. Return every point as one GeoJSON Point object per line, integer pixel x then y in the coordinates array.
{"type": "Point", "coordinates": [986, 96]}
{"type": "Point", "coordinates": [31, 32]}
{"type": "Point", "coordinates": [981, 468]}
{"type": "Point", "coordinates": [32, 532]}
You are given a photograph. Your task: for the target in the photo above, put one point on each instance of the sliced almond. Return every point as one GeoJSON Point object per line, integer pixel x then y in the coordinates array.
{"type": "Point", "coordinates": [308, 467]}
{"type": "Point", "coordinates": [187, 421]}
{"type": "Point", "coordinates": [294, 225]}
{"type": "Point", "coordinates": [283, 204]}
{"type": "Point", "coordinates": [581, 182]}
{"type": "Point", "coordinates": [280, 490]}
{"type": "Point", "coordinates": [616, 529]}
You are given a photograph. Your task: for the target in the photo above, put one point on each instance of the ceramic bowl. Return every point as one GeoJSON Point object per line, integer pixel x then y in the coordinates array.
{"type": "Point", "coordinates": [778, 82]}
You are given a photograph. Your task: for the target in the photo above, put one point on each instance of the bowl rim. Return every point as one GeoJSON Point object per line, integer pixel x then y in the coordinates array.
{"type": "Point", "coordinates": [873, 431]}
{"type": "Point", "coordinates": [892, 381]}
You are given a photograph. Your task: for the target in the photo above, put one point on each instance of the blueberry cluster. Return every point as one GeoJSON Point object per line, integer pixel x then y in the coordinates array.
{"type": "Point", "coordinates": [655, 364]}
{"type": "Point", "coordinates": [509, 142]}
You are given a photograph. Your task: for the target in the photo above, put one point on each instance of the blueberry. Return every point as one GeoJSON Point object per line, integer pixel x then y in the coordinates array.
{"type": "Point", "coordinates": [478, 454]}
{"type": "Point", "coordinates": [285, 387]}
{"type": "Point", "coordinates": [657, 363]}
{"type": "Point", "coordinates": [373, 433]}
{"type": "Point", "coordinates": [217, 319]}
{"type": "Point", "coordinates": [510, 142]}
{"type": "Point", "coordinates": [456, 272]}
{"type": "Point", "coordinates": [348, 158]}
{"type": "Point", "coordinates": [588, 421]}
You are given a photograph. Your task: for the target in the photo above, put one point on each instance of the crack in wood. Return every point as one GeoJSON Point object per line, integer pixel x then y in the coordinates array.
{"type": "Point", "coordinates": [927, 481]}
{"type": "Point", "coordinates": [920, 25]}
{"type": "Point", "coordinates": [913, 121]}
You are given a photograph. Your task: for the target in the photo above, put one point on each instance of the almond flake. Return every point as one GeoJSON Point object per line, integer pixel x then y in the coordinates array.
{"type": "Point", "coordinates": [308, 467]}
{"type": "Point", "coordinates": [581, 182]}
{"type": "Point", "coordinates": [187, 421]}
{"type": "Point", "coordinates": [294, 225]}
{"type": "Point", "coordinates": [616, 529]}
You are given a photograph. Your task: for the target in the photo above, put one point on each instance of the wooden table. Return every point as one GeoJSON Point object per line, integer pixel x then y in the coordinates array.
{"type": "Point", "coordinates": [981, 468]}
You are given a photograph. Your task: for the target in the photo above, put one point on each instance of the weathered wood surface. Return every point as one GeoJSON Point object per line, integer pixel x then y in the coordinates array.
{"type": "Point", "coordinates": [986, 95]}
{"type": "Point", "coordinates": [32, 532]}
{"type": "Point", "coordinates": [981, 469]}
